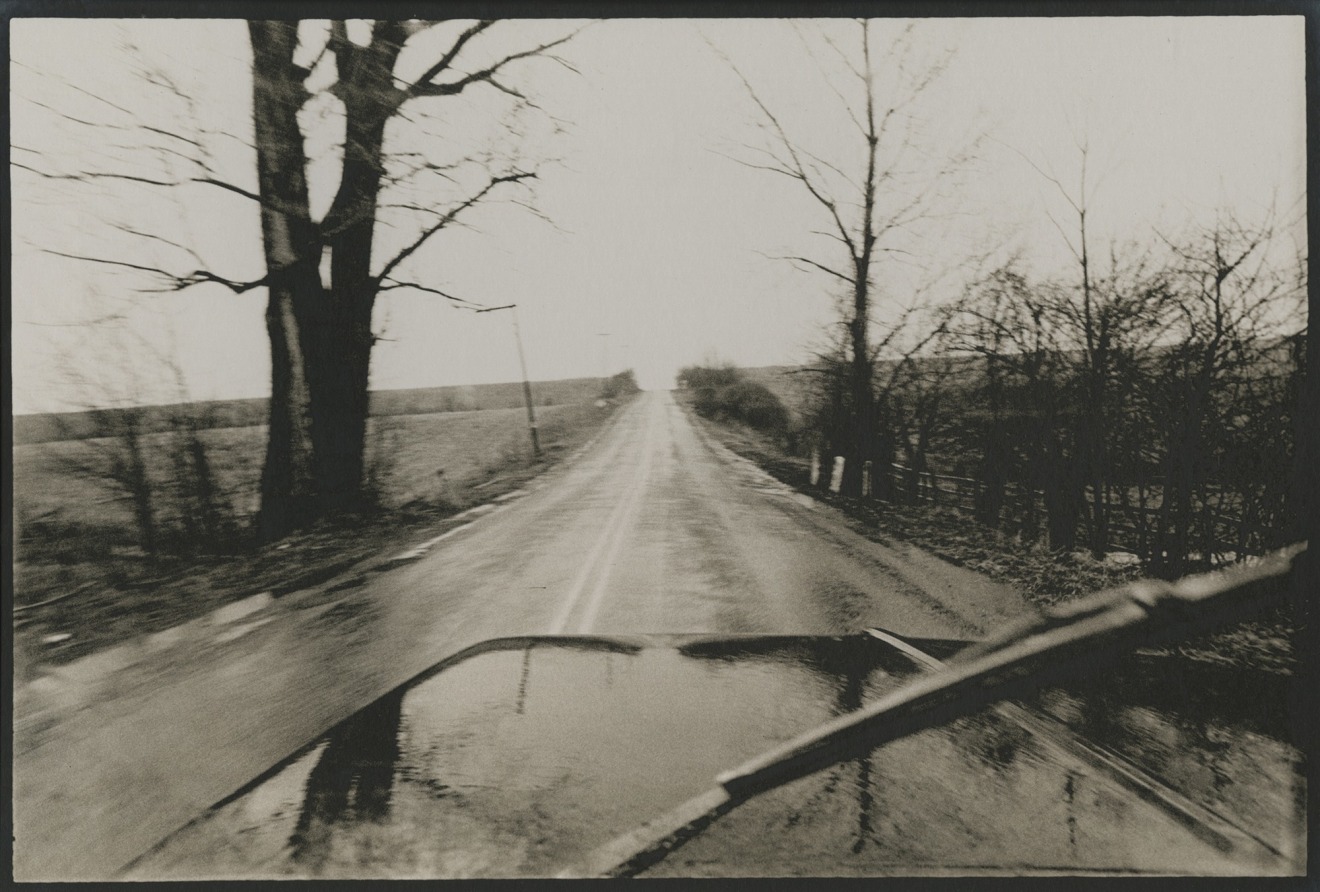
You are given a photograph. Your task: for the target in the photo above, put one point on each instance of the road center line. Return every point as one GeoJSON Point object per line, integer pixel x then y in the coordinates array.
{"type": "Point", "coordinates": [610, 534]}
{"type": "Point", "coordinates": [621, 533]}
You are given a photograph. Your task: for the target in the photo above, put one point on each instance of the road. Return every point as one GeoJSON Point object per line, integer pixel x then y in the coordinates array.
{"type": "Point", "coordinates": [652, 528]}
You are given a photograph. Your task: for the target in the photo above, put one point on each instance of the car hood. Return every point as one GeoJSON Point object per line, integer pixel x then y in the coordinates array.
{"type": "Point", "coordinates": [523, 756]}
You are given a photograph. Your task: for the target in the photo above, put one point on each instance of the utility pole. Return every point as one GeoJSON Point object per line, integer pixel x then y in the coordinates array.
{"type": "Point", "coordinates": [527, 384]}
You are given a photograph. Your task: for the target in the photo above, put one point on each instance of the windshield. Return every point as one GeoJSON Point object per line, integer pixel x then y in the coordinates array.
{"type": "Point", "coordinates": [637, 755]}
{"type": "Point", "coordinates": [1083, 639]}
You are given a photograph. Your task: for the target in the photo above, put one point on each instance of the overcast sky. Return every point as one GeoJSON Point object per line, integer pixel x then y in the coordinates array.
{"type": "Point", "coordinates": [656, 253]}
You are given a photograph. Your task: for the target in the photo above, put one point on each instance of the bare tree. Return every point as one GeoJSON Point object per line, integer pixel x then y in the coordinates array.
{"type": "Point", "coordinates": [321, 336]}
{"type": "Point", "coordinates": [1168, 376]}
{"type": "Point", "coordinates": [866, 208]}
{"type": "Point", "coordinates": [323, 272]}
{"type": "Point", "coordinates": [1226, 366]}
{"type": "Point", "coordinates": [1024, 401]}
{"type": "Point", "coordinates": [1109, 319]}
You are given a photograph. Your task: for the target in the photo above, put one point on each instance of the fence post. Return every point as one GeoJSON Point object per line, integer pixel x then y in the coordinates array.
{"type": "Point", "coordinates": [836, 477]}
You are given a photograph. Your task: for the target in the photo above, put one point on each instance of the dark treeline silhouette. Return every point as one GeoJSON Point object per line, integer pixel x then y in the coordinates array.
{"type": "Point", "coordinates": [1152, 411]}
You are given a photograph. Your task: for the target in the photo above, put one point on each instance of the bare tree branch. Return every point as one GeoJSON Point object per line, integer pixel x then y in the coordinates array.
{"type": "Point", "coordinates": [427, 87]}
{"type": "Point", "coordinates": [820, 266]}
{"type": "Point", "coordinates": [392, 285]}
{"type": "Point", "coordinates": [178, 282]}
{"type": "Point", "coordinates": [847, 106]}
{"type": "Point", "coordinates": [1067, 196]}
{"type": "Point", "coordinates": [451, 54]}
{"type": "Point", "coordinates": [86, 176]}
{"type": "Point", "coordinates": [797, 171]}
{"type": "Point", "coordinates": [163, 240]}
{"type": "Point", "coordinates": [448, 218]}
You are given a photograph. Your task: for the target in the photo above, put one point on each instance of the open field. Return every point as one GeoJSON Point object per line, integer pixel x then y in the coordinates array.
{"type": "Point", "coordinates": [74, 536]}
{"type": "Point", "coordinates": [407, 452]}
{"type": "Point", "coordinates": [49, 427]}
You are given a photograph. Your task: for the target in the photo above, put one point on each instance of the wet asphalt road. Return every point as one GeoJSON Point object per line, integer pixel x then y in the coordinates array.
{"type": "Point", "coordinates": [654, 528]}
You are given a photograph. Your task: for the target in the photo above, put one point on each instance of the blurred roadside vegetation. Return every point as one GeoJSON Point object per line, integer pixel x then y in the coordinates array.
{"type": "Point", "coordinates": [724, 393]}
{"type": "Point", "coordinates": [624, 384]}
{"type": "Point", "coordinates": [142, 517]}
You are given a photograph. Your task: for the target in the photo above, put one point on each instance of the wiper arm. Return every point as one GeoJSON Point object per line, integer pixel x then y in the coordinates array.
{"type": "Point", "coordinates": [1072, 640]}
{"type": "Point", "coordinates": [1064, 642]}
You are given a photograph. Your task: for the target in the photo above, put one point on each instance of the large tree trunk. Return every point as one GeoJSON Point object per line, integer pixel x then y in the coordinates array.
{"type": "Point", "coordinates": [288, 478]}
{"type": "Point", "coordinates": [289, 494]}
{"type": "Point", "coordinates": [861, 446]}
{"type": "Point", "coordinates": [340, 364]}
{"type": "Point", "coordinates": [338, 369]}
{"type": "Point", "coordinates": [320, 339]}
{"type": "Point", "coordinates": [862, 439]}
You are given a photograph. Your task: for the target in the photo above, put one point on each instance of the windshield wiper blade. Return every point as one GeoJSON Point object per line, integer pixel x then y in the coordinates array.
{"type": "Point", "coordinates": [1064, 642]}
{"type": "Point", "coordinates": [1076, 639]}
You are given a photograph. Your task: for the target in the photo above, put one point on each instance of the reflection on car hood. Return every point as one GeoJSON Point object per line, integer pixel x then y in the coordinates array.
{"type": "Point", "coordinates": [520, 756]}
